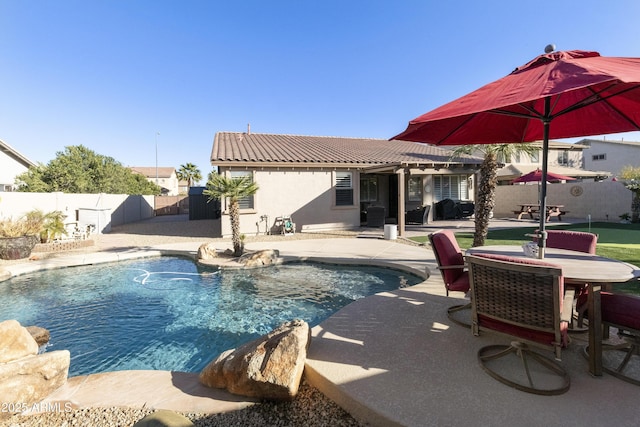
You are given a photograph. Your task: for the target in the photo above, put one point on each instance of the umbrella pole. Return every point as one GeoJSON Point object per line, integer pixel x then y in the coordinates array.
{"type": "Point", "coordinates": [542, 241]}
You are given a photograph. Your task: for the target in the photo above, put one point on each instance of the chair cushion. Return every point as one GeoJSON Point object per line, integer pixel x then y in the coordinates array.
{"type": "Point", "coordinates": [579, 241]}
{"type": "Point", "coordinates": [517, 260]}
{"type": "Point", "coordinates": [620, 309]}
{"type": "Point", "coordinates": [546, 338]}
{"type": "Point", "coordinates": [448, 253]}
{"type": "Point", "coordinates": [461, 284]}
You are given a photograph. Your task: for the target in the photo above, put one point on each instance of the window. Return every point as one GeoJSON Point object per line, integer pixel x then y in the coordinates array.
{"type": "Point", "coordinates": [344, 189]}
{"type": "Point", "coordinates": [518, 157]}
{"type": "Point", "coordinates": [244, 202]}
{"type": "Point", "coordinates": [535, 157]}
{"type": "Point", "coordinates": [450, 187]}
{"type": "Point", "coordinates": [563, 157]}
{"type": "Point", "coordinates": [597, 157]}
{"type": "Point", "coordinates": [368, 188]}
{"type": "Point", "coordinates": [415, 189]}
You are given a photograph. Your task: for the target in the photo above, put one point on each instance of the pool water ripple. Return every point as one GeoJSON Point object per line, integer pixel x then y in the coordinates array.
{"type": "Point", "coordinates": [169, 313]}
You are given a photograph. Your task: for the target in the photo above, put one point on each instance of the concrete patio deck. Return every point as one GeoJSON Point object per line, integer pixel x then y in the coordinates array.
{"type": "Point", "coordinates": [390, 359]}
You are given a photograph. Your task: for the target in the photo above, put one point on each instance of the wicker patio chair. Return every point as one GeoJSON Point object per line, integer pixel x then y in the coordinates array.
{"type": "Point", "coordinates": [524, 300]}
{"type": "Point", "coordinates": [451, 265]}
{"type": "Point", "coordinates": [620, 311]}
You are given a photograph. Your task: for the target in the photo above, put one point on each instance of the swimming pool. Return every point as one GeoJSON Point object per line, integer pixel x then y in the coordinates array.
{"type": "Point", "coordinates": [168, 313]}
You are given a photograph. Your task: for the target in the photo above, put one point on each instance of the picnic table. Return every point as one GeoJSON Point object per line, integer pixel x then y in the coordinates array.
{"type": "Point", "coordinates": [534, 208]}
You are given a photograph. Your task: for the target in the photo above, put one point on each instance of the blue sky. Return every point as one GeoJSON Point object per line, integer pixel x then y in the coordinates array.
{"type": "Point", "coordinates": [110, 75]}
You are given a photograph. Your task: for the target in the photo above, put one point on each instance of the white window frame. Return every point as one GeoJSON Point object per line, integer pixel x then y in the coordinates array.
{"type": "Point", "coordinates": [246, 204]}
{"type": "Point", "coordinates": [455, 187]}
{"type": "Point", "coordinates": [343, 189]}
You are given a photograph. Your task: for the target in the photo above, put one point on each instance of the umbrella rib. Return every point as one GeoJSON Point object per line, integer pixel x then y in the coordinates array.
{"type": "Point", "coordinates": [594, 98]}
{"type": "Point", "coordinates": [535, 114]}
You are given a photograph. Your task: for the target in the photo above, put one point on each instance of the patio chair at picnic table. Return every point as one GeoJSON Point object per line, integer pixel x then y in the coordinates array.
{"type": "Point", "coordinates": [523, 299]}
{"type": "Point", "coordinates": [451, 265]}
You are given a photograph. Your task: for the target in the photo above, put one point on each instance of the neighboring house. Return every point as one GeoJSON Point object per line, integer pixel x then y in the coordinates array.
{"type": "Point", "coordinates": [611, 156]}
{"type": "Point", "coordinates": [564, 159]}
{"type": "Point", "coordinates": [330, 183]}
{"type": "Point", "coordinates": [12, 164]}
{"type": "Point", "coordinates": [183, 187]}
{"type": "Point", "coordinates": [165, 177]}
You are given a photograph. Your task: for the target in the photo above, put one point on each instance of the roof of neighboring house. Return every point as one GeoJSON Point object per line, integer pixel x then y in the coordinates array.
{"type": "Point", "coordinates": [11, 152]}
{"type": "Point", "coordinates": [559, 145]}
{"type": "Point", "coordinates": [150, 172]}
{"type": "Point", "coordinates": [514, 171]}
{"type": "Point", "coordinates": [588, 141]}
{"type": "Point", "coordinates": [247, 149]}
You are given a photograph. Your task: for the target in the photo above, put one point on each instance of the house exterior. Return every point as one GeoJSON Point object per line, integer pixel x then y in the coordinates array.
{"type": "Point", "coordinates": [331, 183]}
{"type": "Point", "coordinates": [563, 159]}
{"type": "Point", "coordinates": [165, 177]}
{"type": "Point", "coordinates": [12, 164]}
{"type": "Point", "coordinates": [611, 156]}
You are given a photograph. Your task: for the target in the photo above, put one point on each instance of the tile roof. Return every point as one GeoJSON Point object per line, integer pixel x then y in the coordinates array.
{"type": "Point", "coordinates": [253, 148]}
{"type": "Point", "coordinates": [150, 172]}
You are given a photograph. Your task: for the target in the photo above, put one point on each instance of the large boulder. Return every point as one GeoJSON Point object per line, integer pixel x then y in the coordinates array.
{"type": "Point", "coordinates": [15, 341]}
{"type": "Point", "coordinates": [30, 379]}
{"type": "Point", "coordinates": [269, 367]}
{"type": "Point", "coordinates": [41, 335]}
{"type": "Point", "coordinates": [260, 258]}
{"type": "Point", "coordinates": [207, 251]}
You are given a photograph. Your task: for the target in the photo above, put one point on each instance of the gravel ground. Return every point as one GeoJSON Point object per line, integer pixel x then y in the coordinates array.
{"type": "Point", "coordinates": [310, 408]}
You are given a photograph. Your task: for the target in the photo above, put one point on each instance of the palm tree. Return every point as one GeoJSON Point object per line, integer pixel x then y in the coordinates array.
{"type": "Point", "coordinates": [486, 189]}
{"type": "Point", "coordinates": [233, 189]}
{"type": "Point", "coordinates": [631, 180]}
{"type": "Point", "coordinates": [189, 173]}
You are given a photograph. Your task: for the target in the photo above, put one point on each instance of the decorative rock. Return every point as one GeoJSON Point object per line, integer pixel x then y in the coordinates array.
{"type": "Point", "coordinates": [15, 341]}
{"type": "Point", "coordinates": [41, 335]}
{"type": "Point", "coordinates": [4, 275]}
{"type": "Point", "coordinates": [207, 251]}
{"type": "Point", "coordinates": [164, 418]}
{"type": "Point", "coordinates": [260, 258]}
{"type": "Point", "coordinates": [30, 379]}
{"type": "Point", "coordinates": [269, 367]}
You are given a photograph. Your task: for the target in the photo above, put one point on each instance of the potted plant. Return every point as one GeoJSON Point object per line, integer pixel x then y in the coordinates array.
{"type": "Point", "coordinates": [52, 224]}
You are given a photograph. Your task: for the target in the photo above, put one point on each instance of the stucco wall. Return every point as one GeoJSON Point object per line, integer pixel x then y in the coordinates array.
{"type": "Point", "coordinates": [604, 201]}
{"type": "Point", "coordinates": [118, 208]}
{"type": "Point", "coordinates": [306, 196]}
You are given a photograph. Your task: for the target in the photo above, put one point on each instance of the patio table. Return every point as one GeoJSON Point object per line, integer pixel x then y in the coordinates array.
{"type": "Point", "coordinates": [593, 270]}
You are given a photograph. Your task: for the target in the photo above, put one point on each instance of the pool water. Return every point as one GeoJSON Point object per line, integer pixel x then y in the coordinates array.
{"type": "Point", "coordinates": [168, 313]}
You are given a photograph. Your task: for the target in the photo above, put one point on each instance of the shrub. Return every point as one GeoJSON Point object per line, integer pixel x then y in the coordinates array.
{"type": "Point", "coordinates": [34, 223]}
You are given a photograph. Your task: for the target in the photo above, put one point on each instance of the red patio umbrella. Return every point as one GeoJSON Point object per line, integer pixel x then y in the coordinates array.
{"type": "Point", "coordinates": [536, 176]}
{"type": "Point", "coordinates": [556, 95]}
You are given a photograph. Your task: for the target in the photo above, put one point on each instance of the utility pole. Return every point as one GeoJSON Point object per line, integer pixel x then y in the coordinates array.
{"type": "Point", "coordinates": [157, 133]}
